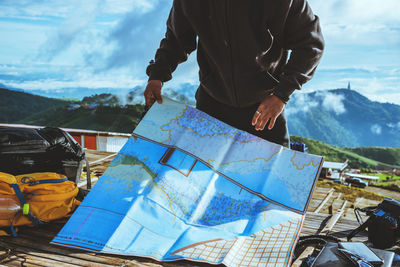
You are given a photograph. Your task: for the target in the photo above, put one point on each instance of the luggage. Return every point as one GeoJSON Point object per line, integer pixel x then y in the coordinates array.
{"type": "Point", "coordinates": [383, 223]}
{"type": "Point", "coordinates": [49, 149]}
{"type": "Point", "coordinates": [36, 198]}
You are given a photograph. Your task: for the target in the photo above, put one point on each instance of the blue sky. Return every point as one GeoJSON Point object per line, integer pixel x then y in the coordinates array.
{"type": "Point", "coordinates": [52, 47]}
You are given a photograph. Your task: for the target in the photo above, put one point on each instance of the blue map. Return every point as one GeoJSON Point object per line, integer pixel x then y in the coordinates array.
{"type": "Point", "coordinates": [187, 186]}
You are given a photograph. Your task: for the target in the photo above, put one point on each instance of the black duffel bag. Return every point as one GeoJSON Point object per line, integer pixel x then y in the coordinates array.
{"type": "Point", "coordinates": [49, 149]}
{"type": "Point", "coordinates": [383, 223]}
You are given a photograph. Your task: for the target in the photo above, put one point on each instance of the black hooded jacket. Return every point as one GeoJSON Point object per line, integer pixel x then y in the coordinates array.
{"type": "Point", "coordinates": [242, 47]}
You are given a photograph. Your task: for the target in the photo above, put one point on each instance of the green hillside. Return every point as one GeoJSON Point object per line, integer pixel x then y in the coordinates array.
{"type": "Point", "coordinates": [101, 99]}
{"type": "Point", "coordinates": [340, 154]}
{"type": "Point", "coordinates": [106, 115]}
{"type": "Point", "coordinates": [15, 106]}
{"type": "Point", "coordinates": [112, 119]}
{"type": "Point", "coordinates": [385, 154]}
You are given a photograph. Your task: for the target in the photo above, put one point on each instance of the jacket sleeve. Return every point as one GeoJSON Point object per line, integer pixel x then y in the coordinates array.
{"type": "Point", "coordinates": [302, 35]}
{"type": "Point", "coordinates": [179, 42]}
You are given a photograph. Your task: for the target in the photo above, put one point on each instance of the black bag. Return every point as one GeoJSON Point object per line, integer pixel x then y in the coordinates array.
{"type": "Point", "coordinates": [49, 149]}
{"type": "Point", "coordinates": [383, 223]}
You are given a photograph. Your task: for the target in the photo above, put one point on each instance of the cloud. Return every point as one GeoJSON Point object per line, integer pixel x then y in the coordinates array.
{"type": "Point", "coordinates": [69, 30]}
{"type": "Point", "coordinates": [134, 40]}
{"type": "Point", "coordinates": [118, 38]}
{"type": "Point", "coordinates": [334, 103]}
{"type": "Point", "coordinates": [300, 103]}
{"type": "Point", "coordinates": [378, 83]}
{"type": "Point", "coordinates": [357, 11]}
{"type": "Point", "coordinates": [48, 9]}
{"type": "Point", "coordinates": [393, 126]}
{"type": "Point", "coordinates": [95, 81]}
{"type": "Point", "coordinates": [323, 100]}
{"type": "Point", "coordinates": [376, 129]}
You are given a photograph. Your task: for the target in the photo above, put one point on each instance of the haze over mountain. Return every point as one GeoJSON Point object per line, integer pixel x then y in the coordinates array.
{"type": "Point", "coordinates": [340, 117]}
{"type": "Point", "coordinates": [344, 117]}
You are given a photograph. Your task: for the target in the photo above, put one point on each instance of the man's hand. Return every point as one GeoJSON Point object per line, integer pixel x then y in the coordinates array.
{"type": "Point", "coordinates": [269, 109]}
{"type": "Point", "coordinates": [153, 92]}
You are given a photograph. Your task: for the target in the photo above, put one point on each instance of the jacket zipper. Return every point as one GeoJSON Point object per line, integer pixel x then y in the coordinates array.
{"type": "Point", "coordinates": [228, 33]}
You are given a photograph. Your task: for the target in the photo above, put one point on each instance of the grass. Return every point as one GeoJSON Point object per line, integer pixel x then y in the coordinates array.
{"type": "Point", "coordinates": [351, 193]}
{"type": "Point", "coordinates": [393, 186]}
{"type": "Point", "coordinates": [69, 99]}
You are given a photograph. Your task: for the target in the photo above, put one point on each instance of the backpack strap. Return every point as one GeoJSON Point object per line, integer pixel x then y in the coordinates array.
{"type": "Point", "coordinates": [360, 228]}
{"type": "Point", "coordinates": [88, 178]}
{"type": "Point", "coordinates": [25, 209]}
{"type": "Point", "coordinates": [48, 181]}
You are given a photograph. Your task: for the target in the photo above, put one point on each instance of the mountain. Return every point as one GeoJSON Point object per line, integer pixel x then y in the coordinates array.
{"type": "Point", "coordinates": [321, 113]}
{"type": "Point", "coordinates": [339, 117]}
{"type": "Point", "coordinates": [135, 96]}
{"type": "Point", "coordinates": [102, 118]}
{"type": "Point", "coordinates": [17, 105]}
{"type": "Point", "coordinates": [381, 160]}
{"type": "Point", "coordinates": [343, 117]}
{"type": "Point", "coordinates": [101, 99]}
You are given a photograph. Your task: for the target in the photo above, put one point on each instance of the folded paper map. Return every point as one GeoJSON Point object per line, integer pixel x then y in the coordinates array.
{"type": "Point", "coordinates": [187, 186]}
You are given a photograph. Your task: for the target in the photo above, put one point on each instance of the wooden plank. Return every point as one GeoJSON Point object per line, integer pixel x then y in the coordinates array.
{"type": "Point", "coordinates": [18, 261]}
{"type": "Point", "coordinates": [33, 248]}
{"type": "Point", "coordinates": [333, 220]}
{"type": "Point", "coordinates": [40, 251]}
{"type": "Point", "coordinates": [330, 193]}
{"type": "Point", "coordinates": [102, 159]}
{"type": "Point", "coordinates": [28, 259]}
{"type": "Point", "coordinates": [29, 242]}
{"type": "Point", "coordinates": [74, 255]}
{"type": "Point", "coordinates": [84, 182]}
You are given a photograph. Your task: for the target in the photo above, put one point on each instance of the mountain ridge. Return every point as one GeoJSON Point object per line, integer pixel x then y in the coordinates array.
{"type": "Point", "coordinates": [339, 117]}
{"type": "Point", "coordinates": [344, 117]}
{"type": "Point", "coordinates": [105, 112]}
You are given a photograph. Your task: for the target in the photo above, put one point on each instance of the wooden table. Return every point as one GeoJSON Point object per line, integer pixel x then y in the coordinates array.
{"type": "Point", "coordinates": [32, 248]}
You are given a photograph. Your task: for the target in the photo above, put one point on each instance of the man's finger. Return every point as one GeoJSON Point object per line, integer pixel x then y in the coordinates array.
{"type": "Point", "coordinates": [264, 122]}
{"type": "Point", "coordinates": [157, 95]}
{"type": "Point", "coordinates": [271, 123]}
{"type": "Point", "coordinates": [256, 116]}
{"type": "Point", "coordinates": [149, 99]}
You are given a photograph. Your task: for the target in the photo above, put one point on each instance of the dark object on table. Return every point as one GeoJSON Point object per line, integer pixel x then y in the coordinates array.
{"type": "Point", "coordinates": [330, 256]}
{"type": "Point", "coordinates": [361, 251]}
{"type": "Point", "coordinates": [49, 149]}
{"type": "Point", "coordinates": [298, 146]}
{"type": "Point", "coordinates": [383, 223]}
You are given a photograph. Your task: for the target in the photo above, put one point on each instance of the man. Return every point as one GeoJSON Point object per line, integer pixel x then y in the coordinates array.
{"type": "Point", "coordinates": [242, 47]}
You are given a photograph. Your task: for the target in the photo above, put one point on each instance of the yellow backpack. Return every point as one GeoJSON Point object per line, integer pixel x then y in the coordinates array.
{"type": "Point", "coordinates": [35, 198]}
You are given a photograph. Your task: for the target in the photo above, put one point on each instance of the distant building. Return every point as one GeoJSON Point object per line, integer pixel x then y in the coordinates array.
{"type": "Point", "coordinates": [333, 170]}
{"type": "Point", "coordinates": [349, 86]}
{"type": "Point", "coordinates": [357, 171]}
{"type": "Point", "coordinates": [73, 107]}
